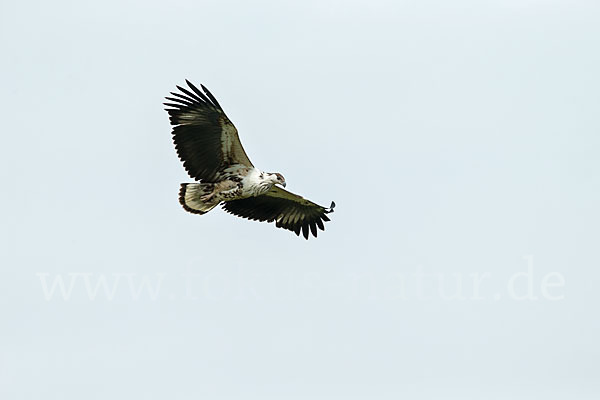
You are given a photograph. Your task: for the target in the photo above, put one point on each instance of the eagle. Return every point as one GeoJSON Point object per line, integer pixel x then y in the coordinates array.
{"type": "Point", "coordinates": [209, 146]}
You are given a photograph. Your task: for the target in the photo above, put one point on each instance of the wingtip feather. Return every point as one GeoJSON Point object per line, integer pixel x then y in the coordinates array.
{"type": "Point", "coordinates": [331, 208]}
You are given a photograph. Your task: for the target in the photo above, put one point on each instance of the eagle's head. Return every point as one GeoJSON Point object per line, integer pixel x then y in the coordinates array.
{"type": "Point", "coordinates": [277, 179]}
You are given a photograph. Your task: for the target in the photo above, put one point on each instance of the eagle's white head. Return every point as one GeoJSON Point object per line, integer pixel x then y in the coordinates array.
{"type": "Point", "coordinates": [277, 179]}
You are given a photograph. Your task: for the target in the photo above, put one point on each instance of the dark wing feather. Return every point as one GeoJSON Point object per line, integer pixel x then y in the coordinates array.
{"type": "Point", "coordinates": [205, 139]}
{"type": "Point", "coordinates": [288, 210]}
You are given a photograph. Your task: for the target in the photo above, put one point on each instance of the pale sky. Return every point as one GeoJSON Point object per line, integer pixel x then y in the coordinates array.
{"type": "Point", "coordinates": [459, 140]}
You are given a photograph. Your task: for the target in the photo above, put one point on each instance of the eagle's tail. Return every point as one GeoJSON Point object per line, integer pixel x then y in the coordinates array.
{"type": "Point", "coordinates": [191, 194]}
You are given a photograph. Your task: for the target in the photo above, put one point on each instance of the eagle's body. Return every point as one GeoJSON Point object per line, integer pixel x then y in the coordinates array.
{"type": "Point", "coordinates": [209, 146]}
{"type": "Point", "coordinates": [236, 182]}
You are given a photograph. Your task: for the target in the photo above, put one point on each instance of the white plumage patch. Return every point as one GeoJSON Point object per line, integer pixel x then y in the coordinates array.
{"type": "Point", "coordinates": [190, 197]}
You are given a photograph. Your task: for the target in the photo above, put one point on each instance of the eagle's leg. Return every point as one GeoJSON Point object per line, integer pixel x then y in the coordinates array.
{"type": "Point", "coordinates": [207, 197]}
{"type": "Point", "coordinates": [210, 190]}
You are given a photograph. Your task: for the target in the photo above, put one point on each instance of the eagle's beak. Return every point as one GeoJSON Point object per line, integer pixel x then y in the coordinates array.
{"type": "Point", "coordinates": [283, 184]}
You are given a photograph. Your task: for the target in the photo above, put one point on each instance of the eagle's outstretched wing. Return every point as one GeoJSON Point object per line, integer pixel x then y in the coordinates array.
{"type": "Point", "coordinates": [205, 139]}
{"type": "Point", "coordinates": [288, 210]}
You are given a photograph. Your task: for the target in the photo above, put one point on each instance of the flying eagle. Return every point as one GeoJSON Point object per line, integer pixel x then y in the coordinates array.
{"type": "Point", "coordinates": [208, 145]}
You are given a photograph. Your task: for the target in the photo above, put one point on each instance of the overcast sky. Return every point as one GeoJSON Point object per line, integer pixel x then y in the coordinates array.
{"type": "Point", "coordinates": [459, 139]}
